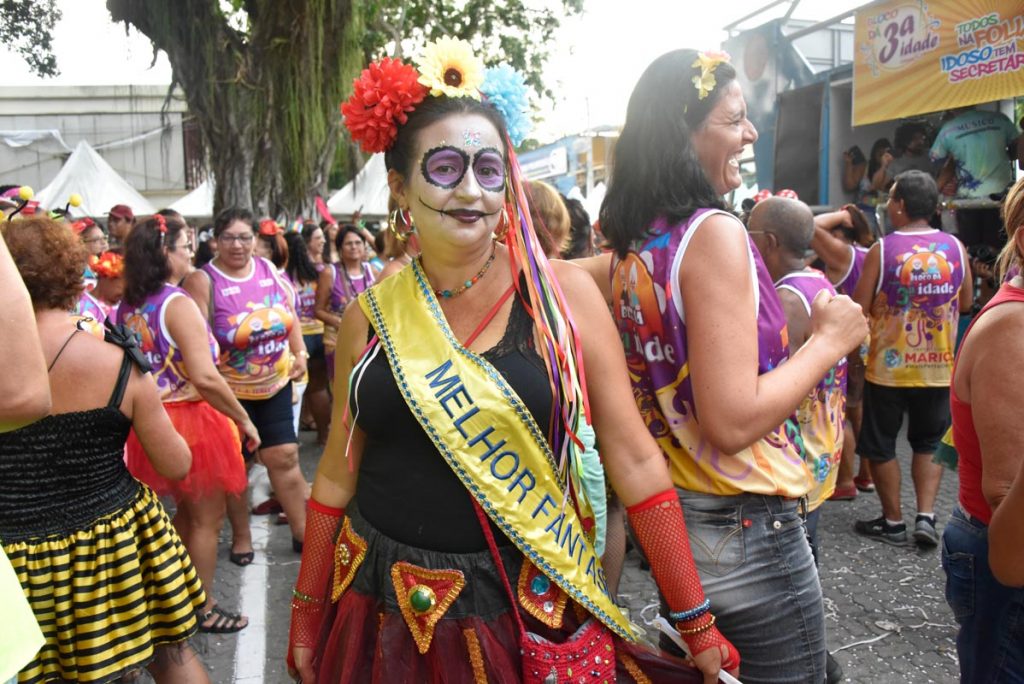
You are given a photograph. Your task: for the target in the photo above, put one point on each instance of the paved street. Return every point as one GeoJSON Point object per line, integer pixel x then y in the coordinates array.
{"type": "Point", "coordinates": [887, 619]}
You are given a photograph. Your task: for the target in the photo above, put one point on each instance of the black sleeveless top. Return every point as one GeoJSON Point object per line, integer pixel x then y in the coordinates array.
{"type": "Point", "coordinates": [406, 489]}
{"type": "Point", "coordinates": [62, 473]}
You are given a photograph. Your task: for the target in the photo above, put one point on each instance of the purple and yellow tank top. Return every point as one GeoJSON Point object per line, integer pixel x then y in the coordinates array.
{"type": "Point", "coordinates": [822, 412]}
{"type": "Point", "coordinates": [848, 283]}
{"type": "Point", "coordinates": [306, 308]}
{"type": "Point", "coordinates": [149, 321]}
{"type": "Point", "coordinates": [648, 308]}
{"type": "Point", "coordinates": [915, 311]}
{"type": "Point", "coordinates": [251, 319]}
{"type": "Point", "coordinates": [344, 289]}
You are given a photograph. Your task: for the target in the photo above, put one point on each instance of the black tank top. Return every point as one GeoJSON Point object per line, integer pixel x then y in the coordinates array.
{"type": "Point", "coordinates": [406, 489]}
{"type": "Point", "coordinates": [62, 473]}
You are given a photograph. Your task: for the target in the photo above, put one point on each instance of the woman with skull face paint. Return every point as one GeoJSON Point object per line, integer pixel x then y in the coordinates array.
{"type": "Point", "coordinates": [448, 537]}
{"type": "Point", "coordinates": [705, 341]}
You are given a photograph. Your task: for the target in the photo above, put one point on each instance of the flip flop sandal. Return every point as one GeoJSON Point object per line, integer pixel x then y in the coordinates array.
{"type": "Point", "coordinates": [864, 484]}
{"type": "Point", "coordinates": [241, 559]}
{"type": "Point", "coordinates": [267, 507]}
{"type": "Point", "coordinates": [847, 493]}
{"type": "Point", "coordinates": [224, 622]}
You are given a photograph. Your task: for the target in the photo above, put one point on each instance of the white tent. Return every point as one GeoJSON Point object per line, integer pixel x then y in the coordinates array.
{"type": "Point", "coordinates": [88, 174]}
{"type": "Point", "coordinates": [198, 203]}
{"type": "Point", "coordinates": [366, 193]}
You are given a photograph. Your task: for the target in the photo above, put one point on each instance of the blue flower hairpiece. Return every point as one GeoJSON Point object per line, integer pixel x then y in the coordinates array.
{"type": "Point", "coordinates": [505, 88]}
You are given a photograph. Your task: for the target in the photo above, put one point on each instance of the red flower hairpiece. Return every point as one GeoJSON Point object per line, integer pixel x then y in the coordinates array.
{"type": "Point", "coordinates": [108, 265]}
{"type": "Point", "coordinates": [161, 223]}
{"type": "Point", "coordinates": [382, 97]}
{"type": "Point", "coordinates": [81, 225]}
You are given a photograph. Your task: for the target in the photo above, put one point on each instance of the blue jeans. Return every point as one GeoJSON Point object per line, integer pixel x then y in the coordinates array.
{"type": "Point", "coordinates": [990, 642]}
{"type": "Point", "coordinates": [756, 567]}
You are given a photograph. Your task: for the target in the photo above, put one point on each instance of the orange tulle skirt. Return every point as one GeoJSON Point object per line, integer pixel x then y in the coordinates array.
{"type": "Point", "coordinates": [217, 463]}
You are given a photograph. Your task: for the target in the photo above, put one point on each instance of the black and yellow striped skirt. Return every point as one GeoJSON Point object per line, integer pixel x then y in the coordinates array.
{"type": "Point", "coordinates": [107, 595]}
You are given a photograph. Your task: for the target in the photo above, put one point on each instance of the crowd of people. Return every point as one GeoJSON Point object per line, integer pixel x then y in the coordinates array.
{"type": "Point", "coordinates": [504, 390]}
{"type": "Point", "coordinates": [968, 154]}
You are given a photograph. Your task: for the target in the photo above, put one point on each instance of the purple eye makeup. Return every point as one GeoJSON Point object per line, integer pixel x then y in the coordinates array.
{"type": "Point", "coordinates": [489, 169]}
{"type": "Point", "coordinates": [446, 166]}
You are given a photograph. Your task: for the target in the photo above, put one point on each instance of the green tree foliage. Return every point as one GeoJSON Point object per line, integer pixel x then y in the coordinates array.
{"type": "Point", "coordinates": [26, 27]}
{"type": "Point", "coordinates": [263, 79]}
{"type": "Point", "coordinates": [519, 32]}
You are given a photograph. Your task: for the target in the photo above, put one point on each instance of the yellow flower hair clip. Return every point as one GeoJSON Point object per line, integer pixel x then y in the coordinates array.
{"type": "Point", "coordinates": [449, 67]}
{"type": "Point", "coordinates": [707, 62]}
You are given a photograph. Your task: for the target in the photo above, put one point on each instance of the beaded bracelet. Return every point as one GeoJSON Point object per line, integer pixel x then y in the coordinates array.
{"type": "Point", "coordinates": [305, 597]}
{"type": "Point", "coordinates": [697, 630]}
{"type": "Point", "coordinates": [692, 613]}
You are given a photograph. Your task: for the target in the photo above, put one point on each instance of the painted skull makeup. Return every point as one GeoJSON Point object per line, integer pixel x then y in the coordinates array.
{"type": "Point", "coordinates": [446, 166]}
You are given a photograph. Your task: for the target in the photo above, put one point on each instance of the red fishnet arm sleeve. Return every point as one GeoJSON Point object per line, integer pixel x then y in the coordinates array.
{"type": "Point", "coordinates": [311, 588]}
{"type": "Point", "coordinates": [658, 527]}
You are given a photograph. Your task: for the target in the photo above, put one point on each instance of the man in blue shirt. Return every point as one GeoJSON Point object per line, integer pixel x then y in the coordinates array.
{"type": "Point", "coordinates": [976, 141]}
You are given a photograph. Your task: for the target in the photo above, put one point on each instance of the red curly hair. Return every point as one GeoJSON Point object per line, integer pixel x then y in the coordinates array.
{"type": "Point", "coordinates": [50, 258]}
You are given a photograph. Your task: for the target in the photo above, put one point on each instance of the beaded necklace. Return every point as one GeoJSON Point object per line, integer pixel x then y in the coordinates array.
{"type": "Point", "coordinates": [450, 294]}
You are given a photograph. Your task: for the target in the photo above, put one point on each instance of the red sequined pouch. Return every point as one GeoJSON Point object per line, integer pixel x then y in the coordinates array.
{"type": "Point", "coordinates": [586, 656]}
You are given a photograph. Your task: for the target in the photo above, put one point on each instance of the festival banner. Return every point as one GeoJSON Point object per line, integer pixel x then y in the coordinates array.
{"type": "Point", "coordinates": [914, 57]}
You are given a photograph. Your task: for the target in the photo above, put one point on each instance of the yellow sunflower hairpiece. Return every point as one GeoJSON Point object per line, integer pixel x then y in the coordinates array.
{"type": "Point", "coordinates": [449, 67]}
{"type": "Point", "coordinates": [707, 62]}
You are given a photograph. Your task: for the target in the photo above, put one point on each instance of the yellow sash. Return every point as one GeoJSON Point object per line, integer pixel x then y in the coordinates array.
{"type": "Point", "coordinates": [488, 437]}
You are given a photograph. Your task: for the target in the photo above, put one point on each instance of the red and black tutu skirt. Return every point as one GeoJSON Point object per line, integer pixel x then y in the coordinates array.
{"type": "Point", "coordinates": [217, 463]}
{"type": "Point", "coordinates": [405, 615]}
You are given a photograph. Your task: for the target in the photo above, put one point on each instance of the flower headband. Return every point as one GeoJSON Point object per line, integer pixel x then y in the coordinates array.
{"type": "Point", "coordinates": [388, 90]}
{"type": "Point", "coordinates": [269, 228]}
{"type": "Point", "coordinates": [707, 62]}
{"type": "Point", "coordinates": [81, 225]}
{"type": "Point", "coordinates": [108, 265]}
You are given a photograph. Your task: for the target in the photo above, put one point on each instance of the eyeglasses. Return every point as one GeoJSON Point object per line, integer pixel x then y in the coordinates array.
{"type": "Point", "coordinates": [95, 239]}
{"type": "Point", "coordinates": [240, 239]}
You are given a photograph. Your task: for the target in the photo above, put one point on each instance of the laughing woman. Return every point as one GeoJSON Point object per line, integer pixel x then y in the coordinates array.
{"type": "Point", "coordinates": [460, 557]}
{"type": "Point", "coordinates": [706, 346]}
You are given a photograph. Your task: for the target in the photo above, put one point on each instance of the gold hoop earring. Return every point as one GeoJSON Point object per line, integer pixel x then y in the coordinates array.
{"type": "Point", "coordinates": [401, 236]}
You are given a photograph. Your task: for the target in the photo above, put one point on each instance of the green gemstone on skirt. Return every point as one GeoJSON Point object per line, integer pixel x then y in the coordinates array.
{"type": "Point", "coordinates": [421, 600]}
